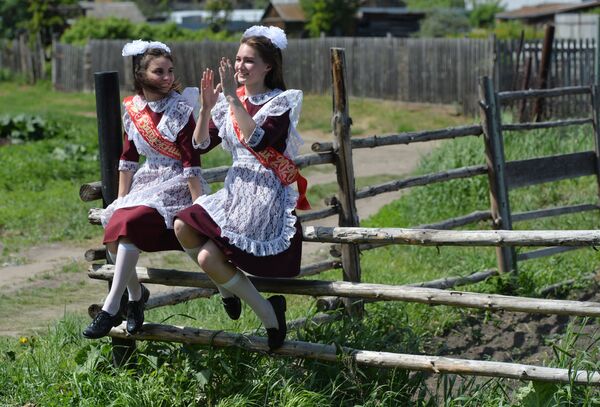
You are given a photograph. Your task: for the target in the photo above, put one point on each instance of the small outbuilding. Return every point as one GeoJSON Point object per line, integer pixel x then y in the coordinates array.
{"type": "Point", "coordinates": [127, 10]}
{"type": "Point", "coordinates": [287, 15]}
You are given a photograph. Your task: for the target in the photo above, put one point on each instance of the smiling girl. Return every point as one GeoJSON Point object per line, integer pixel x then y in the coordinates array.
{"type": "Point", "coordinates": [250, 226]}
{"type": "Point", "coordinates": [159, 124]}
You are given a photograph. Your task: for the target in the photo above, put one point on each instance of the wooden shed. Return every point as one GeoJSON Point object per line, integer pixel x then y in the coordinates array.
{"type": "Point", "coordinates": [287, 15]}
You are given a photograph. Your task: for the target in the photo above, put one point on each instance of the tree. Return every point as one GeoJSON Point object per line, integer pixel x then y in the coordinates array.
{"type": "Point", "coordinates": [434, 4]}
{"type": "Point", "coordinates": [13, 18]}
{"type": "Point", "coordinates": [444, 23]}
{"type": "Point", "coordinates": [220, 11]}
{"type": "Point", "coordinates": [483, 13]}
{"type": "Point", "coordinates": [332, 17]}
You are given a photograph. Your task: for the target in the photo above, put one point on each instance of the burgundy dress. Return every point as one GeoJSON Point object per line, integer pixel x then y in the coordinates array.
{"type": "Point", "coordinates": [285, 263]}
{"type": "Point", "coordinates": [159, 188]}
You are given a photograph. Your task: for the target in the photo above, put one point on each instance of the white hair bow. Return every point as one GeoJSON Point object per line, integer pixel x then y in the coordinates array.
{"type": "Point", "coordinates": [275, 34]}
{"type": "Point", "coordinates": [139, 47]}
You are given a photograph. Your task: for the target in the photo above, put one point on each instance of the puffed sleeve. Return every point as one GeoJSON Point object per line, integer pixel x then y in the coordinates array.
{"type": "Point", "coordinates": [130, 157]}
{"type": "Point", "coordinates": [190, 158]}
{"type": "Point", "coordinates": [272, 133]}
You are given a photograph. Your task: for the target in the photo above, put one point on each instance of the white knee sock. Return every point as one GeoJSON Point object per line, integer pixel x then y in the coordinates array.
{"type": "Point", "coordinates": [193, 253]}
{"type": "Point", "coordinates": [134, 289]}
{"type": "Point", "coordinates": [127, 257]}
{"type": "Point", "coordinates": [241, 286]}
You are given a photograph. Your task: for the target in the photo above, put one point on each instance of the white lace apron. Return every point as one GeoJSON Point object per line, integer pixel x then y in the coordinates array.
{"type": "Point", "coordinates": [254, 209]}
{"type": "Point", "coordinates": [161, 182]}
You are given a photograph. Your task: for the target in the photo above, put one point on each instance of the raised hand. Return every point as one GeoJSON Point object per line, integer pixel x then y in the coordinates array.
{"type": "Point", "coordinates": [228, 82]}
{"type": "Point", "coordinates": [208, 92]}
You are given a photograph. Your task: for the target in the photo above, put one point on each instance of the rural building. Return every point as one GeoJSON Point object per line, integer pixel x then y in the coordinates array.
{"type": "Point", "coordinates": [127, 10]}
{"type": "Point", "coordinates": [287, 15]}
{"type": "Point", "coordinates": [381, 21]}
{"type": "Point", "coordinates": [545, 13]}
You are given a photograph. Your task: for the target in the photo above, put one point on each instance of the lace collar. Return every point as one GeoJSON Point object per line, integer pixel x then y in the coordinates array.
{"type": "Point", "coordinates": [157, 106]}
{"type": "Point", "coordinates": [262, 98]}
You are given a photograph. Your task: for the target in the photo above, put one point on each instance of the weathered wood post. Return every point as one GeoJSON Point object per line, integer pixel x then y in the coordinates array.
{"type": "Point", "coordinates": [110, 144]}
{"type": "Point", "coordinates": [596, 118]}
{"type": "Point", "coordinates": [538, 108]}
{"type": "Point", "coordinates": [494, 154]}
{"type": "Point", "coordinates": [342, 151]}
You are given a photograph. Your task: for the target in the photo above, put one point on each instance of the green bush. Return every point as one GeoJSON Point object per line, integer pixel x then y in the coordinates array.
{"type": "Point", "coordinates": [21, 128]}
{"type": "Point", "coordinates": [87, 28]}
{"type": "Point", "coordinates": [444, 23]}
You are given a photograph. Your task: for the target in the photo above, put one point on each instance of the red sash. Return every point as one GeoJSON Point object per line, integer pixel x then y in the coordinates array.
{"type": "Point", "coordinates": [283, 167]}
{"type": "Point", "coordinates": [145, 126]}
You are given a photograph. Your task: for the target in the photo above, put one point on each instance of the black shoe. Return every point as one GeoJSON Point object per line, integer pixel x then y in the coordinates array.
{"type": "Point", "coordinates": [233, 306]}
{"type": "Point", "coordinates": [277, 336]}
{"type": "Point", "coordinates": [101, 325]}
{"type": "Point", "coordinates": [135, 312]}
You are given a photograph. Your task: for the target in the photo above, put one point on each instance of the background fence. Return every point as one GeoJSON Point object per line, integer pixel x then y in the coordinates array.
{"type": "Point", "coordinates": [407, 69]}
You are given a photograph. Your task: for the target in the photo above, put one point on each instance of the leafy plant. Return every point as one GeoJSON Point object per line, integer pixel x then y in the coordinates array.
{"type": "Point", "coordinates": [22, 128]}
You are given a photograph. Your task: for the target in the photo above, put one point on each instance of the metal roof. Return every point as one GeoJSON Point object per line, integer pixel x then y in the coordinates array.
{"type": "Point", "coordinates": [545, 10]}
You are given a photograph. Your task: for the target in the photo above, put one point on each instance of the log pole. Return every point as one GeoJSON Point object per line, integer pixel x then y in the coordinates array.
{"type": "Point", "coordinates": [348, 215]}
{"type": "Point", "coordinates": [333, 354]}
{"type": "Point", "coordinates": [110, 144]}
{"type": "Point", "coordinates": [494, 152]}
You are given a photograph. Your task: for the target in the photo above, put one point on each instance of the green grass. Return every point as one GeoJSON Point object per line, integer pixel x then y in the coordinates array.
{"type": "Point", "coordinates": [58, 367]}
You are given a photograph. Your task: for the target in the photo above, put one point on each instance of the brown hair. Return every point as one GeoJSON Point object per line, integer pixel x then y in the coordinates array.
{"type": "Point", "coordinates": [272, 56]}
{"type": "Point", "coordinates": [140, 65]}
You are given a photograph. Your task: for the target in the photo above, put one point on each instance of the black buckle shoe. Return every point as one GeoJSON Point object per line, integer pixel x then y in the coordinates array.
{"type": "Point", "coordinates": [135, 312]}
{"type": "Point", "coordinates": [277, 336]}
{"type": "Point", "coordinates": [233, 306]}
{"type": "Point", "coordinates": [101, 325]}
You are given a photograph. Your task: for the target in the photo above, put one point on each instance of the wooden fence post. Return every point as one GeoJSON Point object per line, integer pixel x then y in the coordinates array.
{"type": "Point", "coordinates": [110, 144]}
{"type": "Point", "coordinates": [494, 154]}
{"type": "Point", "coordinates": [348, 215]}
{"type": "Point", "coordinates": [596, 117]}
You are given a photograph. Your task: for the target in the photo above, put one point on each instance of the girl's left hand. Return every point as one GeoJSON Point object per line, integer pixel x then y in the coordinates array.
{"type": "Point", "coordinates": [228, 82]}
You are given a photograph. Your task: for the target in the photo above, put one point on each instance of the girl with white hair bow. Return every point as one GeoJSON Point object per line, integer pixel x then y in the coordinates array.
{"type": "Point", "coordinates": [158, 124]}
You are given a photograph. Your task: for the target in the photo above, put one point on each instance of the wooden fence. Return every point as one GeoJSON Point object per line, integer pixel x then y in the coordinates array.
{"type": "Point", "coordinates": [23, 58]}
{"type": "Point", "coordinates": [407, 69]}
{"type": "Point", "coordinates": [415, 70]}
{"type": "Point", "coordinates": [351, 238]}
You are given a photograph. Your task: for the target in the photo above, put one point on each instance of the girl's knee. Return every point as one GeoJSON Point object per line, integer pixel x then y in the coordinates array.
{"type": "Point", "coordinates": [180, 227]}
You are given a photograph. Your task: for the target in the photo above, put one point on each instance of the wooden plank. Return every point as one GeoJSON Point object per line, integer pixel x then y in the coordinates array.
{"type": "Point", "coordinates": [536, 93]}
{"type": "Point", "coordinates": [552, 168]}
{"type": "Point", "coordinates": [549, 251]}
{"type": "Point", "coordinates": [427, 179]}
{"type": "Point", "coordinates": [404, 138]}
{"type": "Point", "coordinates": [546, 125]}
{"type": "Point", "coordinates": [563, 210]}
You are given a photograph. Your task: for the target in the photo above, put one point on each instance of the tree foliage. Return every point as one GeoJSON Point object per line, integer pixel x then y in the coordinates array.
{"type": "Point", "coordinates": [13, 17]}
{"type": "Point", "coordinates": [45, 18]}
{"type": "Point", "coordinates": [220, 11]}
{"type": "Point", "coordinates": [434, 4]}
{"type": "Point", "coordinates": [332, 17]}
{"type": "Point", "coordinates": [444, 23]}
{"type": "Point", "coordinates": [483, 13]}
{"type": "Point", "coordinates": [85, 29]}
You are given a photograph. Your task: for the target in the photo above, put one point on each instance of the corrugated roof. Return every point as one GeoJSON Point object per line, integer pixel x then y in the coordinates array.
{"type": "Point", "coordinates": [545, 10]}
